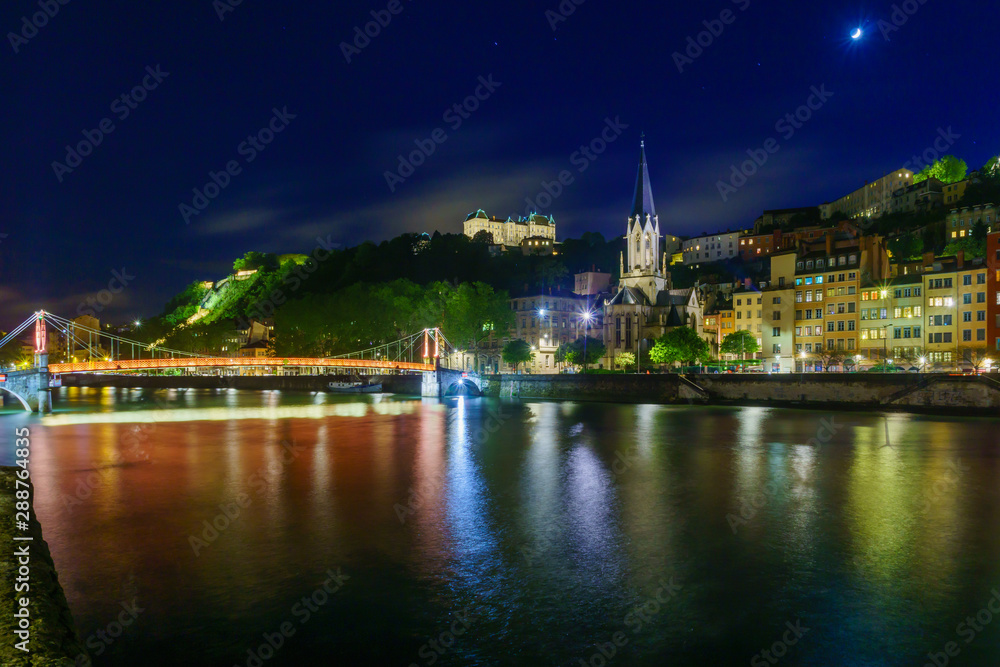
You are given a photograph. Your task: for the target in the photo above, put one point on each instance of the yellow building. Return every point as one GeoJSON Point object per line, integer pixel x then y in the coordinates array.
{"type": "Point", "coordinates": [971, 316]}
{"type": "Point", "coordinates": [748, 315]}
{"type": "Point", "coordinates": [892, 321]}
{"type": "Point", "coordinates": [953, 193]}
{"type": "Point", "coordinates": [961, 221]}
{"type": "Point", "coordinates": [940, 326]}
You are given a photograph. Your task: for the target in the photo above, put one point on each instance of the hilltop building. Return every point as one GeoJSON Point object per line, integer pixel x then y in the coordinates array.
{"type": "Point", "coordinates": [511, 232]}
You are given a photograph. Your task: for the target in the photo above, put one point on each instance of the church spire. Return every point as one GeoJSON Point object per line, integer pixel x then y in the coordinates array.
{"type": "Point", "coordinates": [642, 204]}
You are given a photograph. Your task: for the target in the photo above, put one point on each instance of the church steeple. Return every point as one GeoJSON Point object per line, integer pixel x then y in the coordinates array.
{"type": "Point", "coordinates": [642, 204]}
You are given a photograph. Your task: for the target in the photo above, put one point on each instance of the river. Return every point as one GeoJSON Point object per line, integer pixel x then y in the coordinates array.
{"type": "Point", "coordinates": [269, 528]}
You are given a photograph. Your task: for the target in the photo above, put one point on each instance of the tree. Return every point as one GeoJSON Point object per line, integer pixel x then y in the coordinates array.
{"type": "Point", "coordinates": [625, 360]}
{"type": "Point", "coordinates": [907, 246]}
{"type": "Point", "coordinates": [682, 344]}
{"type": "Point", "coordinates": [949, 169]}
{"type": "Point", "coordinates": [975, 357]}
{"type": "Point", "coordinates": [830, 358]}
{"type": "Point", "coordinates": [265, 261]}
{"type": "Point", "coordinates": [740, 343]}
{"type": "Point", "coordinates": [483, 236]}
{"type": "Point", "coordinates": [517, 352]}
{"type": "Point", "coordinates": [584, 351]}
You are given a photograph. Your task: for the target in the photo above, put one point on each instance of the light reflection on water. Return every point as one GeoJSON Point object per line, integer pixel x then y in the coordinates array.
{"type": "Point", "coordinates": [552, 520]}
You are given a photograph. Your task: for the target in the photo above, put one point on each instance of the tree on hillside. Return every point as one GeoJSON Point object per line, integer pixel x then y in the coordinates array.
{"type": "Point", "coordinates": [483, 236]}
{"type": "Point", "coordinates": [517, 352]}
{"type": "Point", "coordinates": [949, 169]}
{"type": "Point", "coordinates": [992, 166]}
{"type": "Point", "coordinates": [907, 246]}
{"type": "Point", "coordinates": [740, 343]}
{"type": "Point", "coordinates": [682, 344]}
{"type": "Point", "coordinates": [264, 261]}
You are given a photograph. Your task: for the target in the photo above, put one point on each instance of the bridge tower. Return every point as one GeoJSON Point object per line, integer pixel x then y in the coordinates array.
{"type": "Point", "coordinates": [42, 364]}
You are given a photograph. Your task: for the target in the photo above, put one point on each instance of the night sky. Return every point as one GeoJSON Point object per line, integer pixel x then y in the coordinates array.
{"type": "Point", "coordinates": [553, 92]}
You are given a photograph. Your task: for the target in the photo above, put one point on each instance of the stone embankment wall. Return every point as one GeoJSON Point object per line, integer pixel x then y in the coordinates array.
{"type": "Point", "coordinates": [908, 392]}
{"type": "Point", "coordinates": [53, 639]}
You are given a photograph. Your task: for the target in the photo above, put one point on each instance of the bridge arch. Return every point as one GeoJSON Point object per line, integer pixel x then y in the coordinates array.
{"type": "Point", "coordinates": [462, 387]}
{"type": "Point", "coordinates": [16, 395]}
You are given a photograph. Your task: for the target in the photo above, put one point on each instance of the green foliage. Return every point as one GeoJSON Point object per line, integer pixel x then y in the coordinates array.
{"type": "Point", "coordinates": [682, 344]}
{"type": "Point", "coordinates": [483, 236]}
{"type": "Point", "coordinates": [517, 352]}
{"type": "Point", "coordinates": [185, 304]}
{"type": "Point", "coordinates": [264, 261]}
{"type": "Point", "coordinates": [740, 343]}
{"type": "Point", "coordinates": [583, 351]}
{"type": "Point", "coordinates": [949, 169]}
{"type": "Point", "coordinates": [973, 248]}
{"type": "Point", "coordinates": [625, 360]}
{"type": "Point", "coordinates": [907, 246]}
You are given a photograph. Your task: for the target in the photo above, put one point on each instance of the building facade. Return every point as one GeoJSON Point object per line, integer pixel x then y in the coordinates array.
{"type": "Point", "coordinates": [645, 307]}
{"type": "Point", "coordinates": [510, 232]}
{"type": "Point", "coordinates": [872, 200]}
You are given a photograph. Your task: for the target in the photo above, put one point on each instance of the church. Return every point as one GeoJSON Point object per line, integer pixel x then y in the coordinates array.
{"type": "Point", "coordinates": [645, 306]}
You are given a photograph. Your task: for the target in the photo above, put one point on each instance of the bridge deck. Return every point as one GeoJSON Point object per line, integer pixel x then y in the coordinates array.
{"type": "Point", "coordinates": [230, 362]}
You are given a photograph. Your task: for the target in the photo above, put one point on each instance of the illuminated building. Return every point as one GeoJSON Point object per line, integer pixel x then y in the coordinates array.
{"type": "Point", "coordinates": [510, 232]}
{"type": "Point", "coordinates": [645, 307]}
{"type": "Point", "coordinates": [872, 199]}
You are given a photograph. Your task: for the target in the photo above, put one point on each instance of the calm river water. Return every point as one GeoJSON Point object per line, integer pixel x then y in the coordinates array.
{"type": "Point", "coordinates": [391, 531]}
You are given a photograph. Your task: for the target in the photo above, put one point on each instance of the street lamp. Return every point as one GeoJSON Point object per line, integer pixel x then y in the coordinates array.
{"type": "Point", "coordinates": [857, 363]}
{"type": "Point", "coordinates": [923, 360]}
{"type": "Point", "coordinates": [587, 316]}
{"type": "Point", "coordinates": [803, 356]}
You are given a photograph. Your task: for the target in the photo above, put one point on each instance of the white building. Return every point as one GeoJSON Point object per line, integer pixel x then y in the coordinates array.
{"type": "Point", "coordinates": [711, 248]}
{"type": "Point", "coordinates": [510, 232]}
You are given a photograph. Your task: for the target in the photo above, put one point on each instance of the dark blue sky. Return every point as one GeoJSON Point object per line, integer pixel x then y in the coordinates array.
{"type": "Point", "coordinates": [324, 174]}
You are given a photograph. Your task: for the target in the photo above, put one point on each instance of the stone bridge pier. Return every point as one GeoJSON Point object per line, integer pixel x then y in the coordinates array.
{"type": "Point", "coordinates": [446, 382]}
{"type": "Point", "coordinates": [30, 387]}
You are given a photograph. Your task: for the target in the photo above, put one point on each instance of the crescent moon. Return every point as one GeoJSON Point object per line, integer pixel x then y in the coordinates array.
{"type": "Point", "coordinates": [856, 34]}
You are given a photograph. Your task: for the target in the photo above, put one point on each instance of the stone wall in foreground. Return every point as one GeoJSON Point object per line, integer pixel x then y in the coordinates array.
{"type": "Point", "coordinates": [53, 640]}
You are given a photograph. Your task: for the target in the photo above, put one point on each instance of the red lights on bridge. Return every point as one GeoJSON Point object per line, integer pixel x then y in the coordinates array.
{"type": "Point", "coordinates": [231, 362]}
